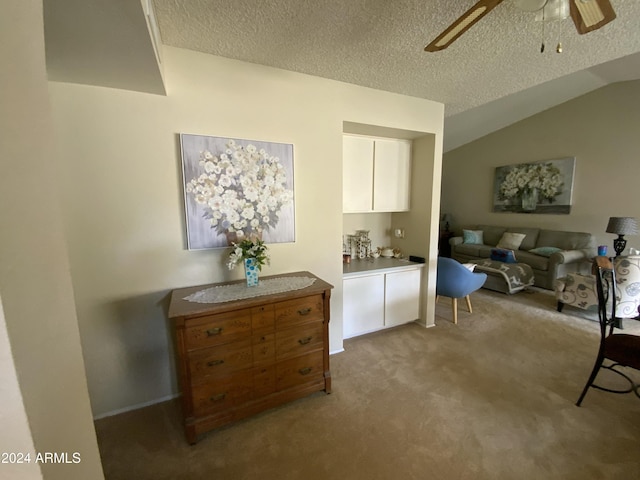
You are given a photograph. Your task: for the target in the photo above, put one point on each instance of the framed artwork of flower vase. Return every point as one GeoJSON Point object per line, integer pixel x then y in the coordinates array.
{"type": "Point", "coordinates": [537, 187]}
{"type": "Point", "coordinates": [236, 189]}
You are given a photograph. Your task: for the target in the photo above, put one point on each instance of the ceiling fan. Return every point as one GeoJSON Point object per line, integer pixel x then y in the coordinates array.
{"type": "Point", "coordinates": [588, 15]}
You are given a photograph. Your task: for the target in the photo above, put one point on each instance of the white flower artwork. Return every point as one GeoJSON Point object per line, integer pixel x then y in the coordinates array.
{"type": "Point", "coordinates": [236, 189]}
{"type": "Point", "coordinates": [537, 187]}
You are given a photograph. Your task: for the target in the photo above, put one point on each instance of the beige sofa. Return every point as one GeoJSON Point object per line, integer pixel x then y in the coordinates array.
{"type": "Point", "coordinates": [576, 250]}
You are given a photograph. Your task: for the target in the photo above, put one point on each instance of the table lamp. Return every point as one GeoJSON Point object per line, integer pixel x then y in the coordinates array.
{"type": "Point", "coordinates": [622, 226]}
{"type": "Point", "coordinates": [446, 217]}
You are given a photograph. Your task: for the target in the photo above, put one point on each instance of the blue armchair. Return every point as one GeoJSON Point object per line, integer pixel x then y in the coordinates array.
{"type": "Point", "coordinates": [455, 281]}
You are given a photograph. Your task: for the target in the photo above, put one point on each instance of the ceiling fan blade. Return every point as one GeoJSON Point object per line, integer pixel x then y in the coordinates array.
{"type": "Point", "coordinates": [462, 24]}
{"type": "Point", "coordinates": [589, 15]}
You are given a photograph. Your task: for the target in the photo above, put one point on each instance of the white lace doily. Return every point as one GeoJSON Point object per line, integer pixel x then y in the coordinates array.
{"type": "Point", "coordinates": [239, 291]}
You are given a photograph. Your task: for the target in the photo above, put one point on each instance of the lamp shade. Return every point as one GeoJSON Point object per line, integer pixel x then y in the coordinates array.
{"type": "Point", "coordinates": [623, 225]}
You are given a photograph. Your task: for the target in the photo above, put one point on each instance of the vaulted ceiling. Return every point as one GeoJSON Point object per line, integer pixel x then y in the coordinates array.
{"type": "Point", "coordinates": [491, 77]}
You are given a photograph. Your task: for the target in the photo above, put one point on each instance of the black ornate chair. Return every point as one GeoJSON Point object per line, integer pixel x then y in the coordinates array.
{"type": "Point", "coordinates": [622, 350]}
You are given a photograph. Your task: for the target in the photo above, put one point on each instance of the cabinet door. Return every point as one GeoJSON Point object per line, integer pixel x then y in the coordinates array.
{"type": "Point", "coordinates": [402, 297]}
{"type": "Point", "coordinates": [362, 305]}
{"type": "Point", "coordinates": [391, 177]}
{"type": "Point", "coordinates": [357, 174]}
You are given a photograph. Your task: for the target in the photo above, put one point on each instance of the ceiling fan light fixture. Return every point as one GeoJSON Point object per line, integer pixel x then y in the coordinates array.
{"type": "Point", "coordinates": [553, 10]}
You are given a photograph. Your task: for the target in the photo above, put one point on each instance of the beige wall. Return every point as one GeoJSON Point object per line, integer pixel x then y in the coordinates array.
{"type": "Point", "coordinates": [600, 129]}
{"type": "Point", "coordinates": [123, 203]}
{"type": "Point", "coordinates": [35, 285]}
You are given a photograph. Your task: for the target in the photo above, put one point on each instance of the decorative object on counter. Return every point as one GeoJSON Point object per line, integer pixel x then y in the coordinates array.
{"type": "Point", "coordinates": [253, 253]}
{"type": "Point", "coordinates": [364, 243]}
{"type": "Point", "coordinates": [352, 246]}
{"type": "Point", "coordinates": [622, 226]}
{"type": "Point", "coordinates": [602, 250]}
{"type": "Point", "coordinates": [397, 253]}
{"type": "Point", "coordinates": [386, 252]}
{"type": "Point", "coordinates": [237, 188]}
{"type": "Point", "coordinates": [346, 258]}
{"type": "Point", "coordinates": [539, 187]}
{"type": "Point", "coordinates": [375, 253]}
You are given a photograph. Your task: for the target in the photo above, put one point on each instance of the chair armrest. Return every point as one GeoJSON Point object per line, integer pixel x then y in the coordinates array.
{"type": "Point", "coordinates": [571, 256]}
{"type": "Point", "coordinates": [455, 241]}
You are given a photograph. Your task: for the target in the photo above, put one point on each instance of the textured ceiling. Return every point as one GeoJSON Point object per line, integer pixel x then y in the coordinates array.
{"type": "Point", "coordinates": [379, 43]}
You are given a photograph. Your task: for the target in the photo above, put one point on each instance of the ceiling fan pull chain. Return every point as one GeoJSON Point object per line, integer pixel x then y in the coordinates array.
{"type": "Point", "coordinates": [542, 43]}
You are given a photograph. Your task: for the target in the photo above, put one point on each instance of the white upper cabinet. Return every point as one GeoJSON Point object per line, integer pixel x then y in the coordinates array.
{"type": "Point", "coordinates": [376, 174]}
{"type": "Point", "coordinates": [357, 174]}
{"type": "Point", "coordinates": [391, 169]}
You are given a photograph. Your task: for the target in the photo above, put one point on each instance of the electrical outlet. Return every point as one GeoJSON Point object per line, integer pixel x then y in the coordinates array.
{"type": "Point", "coordinates": [399, 232]}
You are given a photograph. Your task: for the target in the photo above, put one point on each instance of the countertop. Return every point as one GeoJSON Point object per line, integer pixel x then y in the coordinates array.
{"type": "Point", "coordinates": [365, 266]}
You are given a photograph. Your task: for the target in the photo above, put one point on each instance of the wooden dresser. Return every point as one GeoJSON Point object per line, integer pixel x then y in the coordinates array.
{"type": "Point", "coordinates": [241, 357]}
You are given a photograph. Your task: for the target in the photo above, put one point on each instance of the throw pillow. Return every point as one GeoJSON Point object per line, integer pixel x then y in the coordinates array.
{"type": "Point", "coordinates": [545, 251]}
{"type": "Point", "coordinates": [511, 241]}
{"type": "Point", "coordinates": [503, 255]}
{"type": "Point", "coordinates": [472, 236]}
{"type": "Point", "coordinates": [469, 266]}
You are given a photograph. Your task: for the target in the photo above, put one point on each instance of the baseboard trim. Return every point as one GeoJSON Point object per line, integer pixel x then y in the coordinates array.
{"type": "Point", "coordinates": [336, 351]}
{"type": "Point", "coordinates": [135, 407]}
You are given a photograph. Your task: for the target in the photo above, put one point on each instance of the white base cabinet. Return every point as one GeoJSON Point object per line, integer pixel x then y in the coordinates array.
{"type": "Point", "coordinates": [401, 297]}
{"type": "Point", "coordinates": [363, 305]}
{"type": "Point", "coordinates": [380, 300]}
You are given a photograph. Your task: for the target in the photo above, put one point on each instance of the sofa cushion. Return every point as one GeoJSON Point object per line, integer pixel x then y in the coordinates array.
{"type": "Point", "coordinates": [565, 240]}
{"type": "Point", "coordinates": [492, 234]}
{"type": "Point", "coordinates": [511, 240]}
{"type": "Point", "coordinates": [473, 237]}
{"type": "Point", "coordinates": [537, 262]}
{"type": "Point", "coordinates": [531, 236]}
{"type": "Point", "coordinates": [545, 251]}
{"type": "Point", "coordinates": [473, 251]}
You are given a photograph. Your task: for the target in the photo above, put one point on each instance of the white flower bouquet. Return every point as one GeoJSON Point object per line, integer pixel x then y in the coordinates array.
{"type": "Point", "coordinates": [246, 249]}
{"type": "Point", "coordinates": [242, 190]}
{"type": "Point", "coordinates": [543, 177]}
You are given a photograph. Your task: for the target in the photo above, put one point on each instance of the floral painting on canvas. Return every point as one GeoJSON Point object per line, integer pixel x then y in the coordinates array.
{"type": "Point", "coordinates": [237, 189]}
{"type": "Point", "coordinates": [537, 187]}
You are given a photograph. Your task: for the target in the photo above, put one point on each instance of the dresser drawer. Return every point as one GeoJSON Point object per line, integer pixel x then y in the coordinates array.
{"type": "Point", "coordinates": [223, 393]}
{"type": "Point", "coordinates": [298, 311]}
{"type": "Point", "coordinates": [264, 348]}
{"type": "Point", "coordinates": [263, 318]}
{"type": "Point", "coordinates": [217, 329]}
{"type": "Point", "coordinates": [299, 341]}
{"type": "Point", "coordinates": [264, 381]}
{"type": "Point", "coordinates": [220, 360]}
{"type": "Point", "coordinates": [299, 370]}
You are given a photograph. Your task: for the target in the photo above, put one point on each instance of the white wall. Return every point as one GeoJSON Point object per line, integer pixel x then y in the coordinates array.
{"type": "Point", "coordinates": [124, 207]}
{"type": "Point", "coordinates": [35, 284]}
{"type": "Point", "coordinates": [600, 129]}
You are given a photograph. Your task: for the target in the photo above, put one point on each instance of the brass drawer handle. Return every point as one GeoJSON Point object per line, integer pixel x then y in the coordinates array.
{"type": "Point", "coordinates": [304, 341]}
{"type": "Point", "coordinates": [213, 363]}
{"type": "Point", "coordinates": [214, 331]}
{"type": "Point", "coordinates": [305, 371]}
{"type": "Point", "coordinates": [218, 398]}
{"type": "Point", "coordinates": [305, 311]}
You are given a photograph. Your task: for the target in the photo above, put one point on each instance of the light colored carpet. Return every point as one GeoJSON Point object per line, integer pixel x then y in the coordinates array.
{"type": "Point", "coordinates": [491, 398]}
